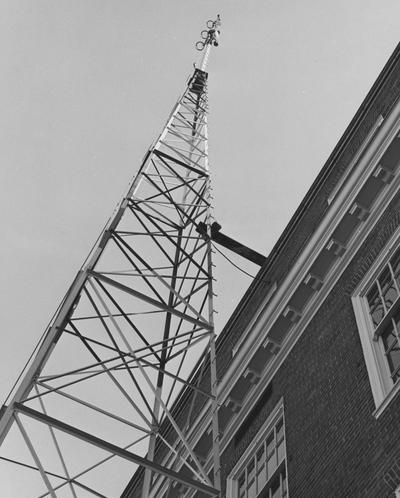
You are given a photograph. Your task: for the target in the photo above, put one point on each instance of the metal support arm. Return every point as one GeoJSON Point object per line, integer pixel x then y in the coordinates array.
{"type": "Point", "coordinates": [231, 244]}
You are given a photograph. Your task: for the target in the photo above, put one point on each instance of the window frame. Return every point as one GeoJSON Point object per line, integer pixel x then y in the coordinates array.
{"type": "Point", "coordinates": [252, 450]}
{"type": "Point", "coordinates": [383, 388]}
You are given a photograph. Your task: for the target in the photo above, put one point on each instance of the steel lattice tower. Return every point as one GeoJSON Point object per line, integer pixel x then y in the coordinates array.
{"type": "Point", "coordinates": [133, 337]}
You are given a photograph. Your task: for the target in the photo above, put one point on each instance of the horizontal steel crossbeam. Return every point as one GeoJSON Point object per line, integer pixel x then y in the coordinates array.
{"type": "Point", "coordinates": [112, 448]}
{"type": "Point", "coordinates": [151, 301]}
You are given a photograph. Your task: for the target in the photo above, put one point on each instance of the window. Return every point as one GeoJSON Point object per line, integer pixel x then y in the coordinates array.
{"type": "Point", "coordinates": [377, 309]}
{"type": "Point", "coordinates": [385, 315]}
{"type": "Point", "coordinates": [261, 472]}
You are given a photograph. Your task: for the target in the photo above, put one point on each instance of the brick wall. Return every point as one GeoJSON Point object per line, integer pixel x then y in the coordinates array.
{"type": "Point", "coordinates": [335, 446]}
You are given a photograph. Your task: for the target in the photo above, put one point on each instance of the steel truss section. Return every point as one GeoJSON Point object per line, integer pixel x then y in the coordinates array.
{"type": "Point", "coordinates": [101, 398]}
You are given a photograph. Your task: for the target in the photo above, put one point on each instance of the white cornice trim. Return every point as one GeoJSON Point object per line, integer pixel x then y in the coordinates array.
{"type": "Point", "coordinates": [265, 319]}
{"type": "Point", "coordinates": [355, 159]}
{"type": "Point", "coordinates": [311, 310]}
{"type": "Point", "coordinates": [270, 311]}
{"type": "Point", "coordinates": [268, 297]}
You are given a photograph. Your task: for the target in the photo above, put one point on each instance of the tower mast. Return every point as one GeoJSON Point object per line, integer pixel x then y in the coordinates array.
{"type": "Point", "coordinates": [101, 399]}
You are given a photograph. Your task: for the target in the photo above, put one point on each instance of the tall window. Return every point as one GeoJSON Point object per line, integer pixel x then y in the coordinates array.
{"type": "Point", "coordinates": [262, 474]}
{"type": "Point", "coordinates": [377, 309]}
{"type": "Point", "coordinates": [383, 299]}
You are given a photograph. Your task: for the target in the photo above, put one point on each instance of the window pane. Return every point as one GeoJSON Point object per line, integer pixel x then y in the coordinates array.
{"type": "Point", "coordinates": [284, 485]}
{"type": "Point", "coordinates": [389, 292]}
{"type": "Point", "coordinates": [271, 454]}
{"type": "Point", "coordinates": [396, 318]}
{"type": "Point", "coordinates": [393, 357]}
{"type": "Point", "coordinates": [260, 456]}
{"type": "Point", "coordinates": [242, 486]}
{"type": "Point", "coordinates": [281, 451]}
{"type": "Point", "coordinates": [261, 479]}
{"type": "Point", "coordinates": [251, 490]}
{"type": "Point", "coordinates": [392, 350]}
{"type": "Point", "coordinates": [375, 305]}
{"type": "Point", "coordinates": [261, 469]}
{"type": "Point", "coordinates": [276, 493]}
{"type": "Point", "coordinates": [271, 465]}
{"type": "Point", "coordinates": [251, 470]}
{"type": "Point", "coordinates": [396, 375]}
{"type": "Point", "coordinates": [271, 444]}
{"type": "Point", "coordinates": [276, 488]}
{"type": "Point", "coordinates": [251, 479]}
{"type": "Point", "coordinates": [389, 337]}
{"type": "Point", "coordinates": [279, 430]}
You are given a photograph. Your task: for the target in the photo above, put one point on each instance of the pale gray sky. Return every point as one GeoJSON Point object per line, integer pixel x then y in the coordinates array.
{"type": "Point", "coordinates": [87, 85]}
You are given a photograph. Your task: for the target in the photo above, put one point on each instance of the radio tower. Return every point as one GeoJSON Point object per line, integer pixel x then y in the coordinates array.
{"type": "Point", "coordinates": [132, 341]}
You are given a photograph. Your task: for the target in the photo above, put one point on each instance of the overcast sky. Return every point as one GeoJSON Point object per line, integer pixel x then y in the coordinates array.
{"type": "Point", "coordinates": [87, 85]}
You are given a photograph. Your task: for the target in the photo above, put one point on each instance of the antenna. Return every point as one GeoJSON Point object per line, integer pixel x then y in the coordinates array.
{"type": "Point", "coordinates": [99, 407]}
{"type": "Point", "coordinates": [210, 38]}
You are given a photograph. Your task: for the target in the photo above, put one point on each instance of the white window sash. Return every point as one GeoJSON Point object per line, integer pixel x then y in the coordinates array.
{"type": "Point", "coordinates": [270, 423]}
{"type": "Point", "coordinates": [378, 370]}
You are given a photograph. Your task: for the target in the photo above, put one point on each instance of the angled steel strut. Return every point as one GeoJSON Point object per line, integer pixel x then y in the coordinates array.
{"type": "Point", "coordinates": [233, 245]}
{"type": "Point", "coordinates": [101, 400]}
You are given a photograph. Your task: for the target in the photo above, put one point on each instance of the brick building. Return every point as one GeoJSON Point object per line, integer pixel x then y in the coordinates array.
{"type": "Point", "coordinates": [309, 361]}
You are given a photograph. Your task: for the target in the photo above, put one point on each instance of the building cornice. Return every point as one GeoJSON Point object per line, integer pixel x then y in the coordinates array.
{"type": "Point", "coordinates": [261, 279]}
{"type": "Point", "coordinates": [258, 328]}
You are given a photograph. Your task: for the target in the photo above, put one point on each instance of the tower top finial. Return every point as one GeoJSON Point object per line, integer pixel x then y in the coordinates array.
{"type": "Point", "coordinates": [210, 38]}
